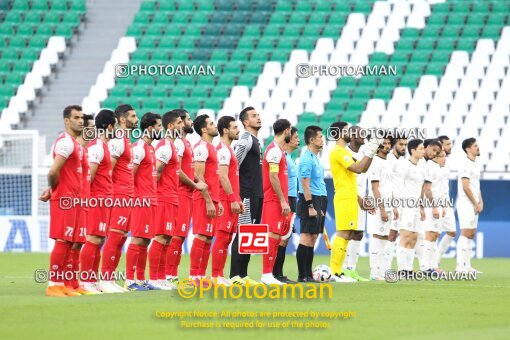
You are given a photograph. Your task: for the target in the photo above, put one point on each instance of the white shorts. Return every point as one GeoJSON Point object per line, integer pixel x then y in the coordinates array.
{"type": "Point", "coordinates": [467, 217]}
{"type": "Point", "coordinates": [432, 224]}
{"type": "Point", "coordinates": [376, 226]}
{"type": "Point", "coordinates": [395, 224]}
{"type": "Point", "coordinates": [411, 220]}
{"type": "Point", "coordinates": [362, 219]}
{"type": "Point", "coordinates": [448, 223]}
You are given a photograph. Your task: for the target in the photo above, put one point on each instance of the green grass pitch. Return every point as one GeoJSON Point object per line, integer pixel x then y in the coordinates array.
{"type": "Point", "coordinates": [449, 310]}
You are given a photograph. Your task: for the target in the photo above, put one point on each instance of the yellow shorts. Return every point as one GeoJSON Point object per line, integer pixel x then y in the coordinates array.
{"type": "Point", "coordinates": [346, 213]}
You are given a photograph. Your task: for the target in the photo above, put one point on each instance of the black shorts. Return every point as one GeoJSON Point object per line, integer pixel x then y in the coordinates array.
{"type": "Point", "coordinates": [292, 205]}
{"type": "Point", "coordinates": [312, 225]}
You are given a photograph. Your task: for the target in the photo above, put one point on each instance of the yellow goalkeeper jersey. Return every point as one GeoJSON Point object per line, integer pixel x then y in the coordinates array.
{"type": "Point", "coordinates": [344, 180]}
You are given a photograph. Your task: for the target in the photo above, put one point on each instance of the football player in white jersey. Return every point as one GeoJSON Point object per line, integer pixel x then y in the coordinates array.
{"type": "Point", "coordinates": [378, 224]}
{"type": "Point", "coordinates": [355, 147]}
{"type": "Point", "coordinates": [395, 159]}
{"type": "Point", "coordinates": [448, 223]}
{"type": "Point", "coordinates": [469, 203]}
{"type": "Point", "coordinates": [413, 215]}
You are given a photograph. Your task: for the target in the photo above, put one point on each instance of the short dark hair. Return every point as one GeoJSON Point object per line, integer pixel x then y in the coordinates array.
{"type": "Point", "coordinates": [122, 109]}
{"type": "Point", "coordinates": [281, 125]}
{"type": "Point", "coordinates": [199, 123]}
{"type": "Point", "coordinates": [413, 145]}
{"type": "Point", "coordinates": [293, 130]}
{"type": "Point", "coordinates": [181, 112]}
{"type": "Point", "coordinates": [104, 118]}
{"type": "Point", "coordinates": [169, 118]}
{"type": "Point", "coordinates": [68, 109]}
{"type": "Point", "coordinates": [244, 113]}
{"type": "Point", "coordinates": [337, 125]}
{"type": "Point", "coordinates": [148, 119]}
{"type": "Point", "coordinates": [224, 123]}
{"type": "Point", "coordinates": [467, 143]}
{"type": "Point", "coordinates": [87, 118]}
{"type": "Point", "coordinates": [442, 138]}
{"type": "Point", "coordinates": [432, 142]}
{"type": "Point", "coordinates": [310, 132]}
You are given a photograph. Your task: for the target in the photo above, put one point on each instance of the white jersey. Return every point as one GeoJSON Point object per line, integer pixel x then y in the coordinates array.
{"type": "Point", "coordinates": [471, 170]}
{"type": "Point", "coordinates": [414, 177]}
{"type": "Point", "coordinates": [380, 171]}
{"type": "Point", "coordinates": [433, 174]}
{"type": "Point", "coordinates": [361, 179]}
{"type": "Point", "coordinates": [445, 179]}
{"type": "Point", "coordinates": [396, 167]}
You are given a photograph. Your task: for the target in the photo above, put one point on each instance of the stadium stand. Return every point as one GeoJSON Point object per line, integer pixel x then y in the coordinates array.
{"type": "Point", "coordinates": [33, 36]}
{"type": "Point", "coordinates": [451, 59]}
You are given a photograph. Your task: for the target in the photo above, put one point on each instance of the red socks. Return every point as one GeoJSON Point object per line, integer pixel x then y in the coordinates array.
{"type": "Point", "coordinates": [162, 263]}
{"type": "Point", "coordinates": [73, 265]}
{"type": "Point", "coordinates": [88, 261]}
{"type": "Point", "coordinates": [110, 253]}
{"type": "Point", "coordinates": [269, 258]}
{"type": "Point", "coordinates": [220, 252]}
{"type": "Point", "coordinates": [132, 255]}
{"type": "Point", "coordinates": [155, 256]}
{"type": "Point", "coordinates": [119, 253]}
{"type": "Point", "coordinates": [142, 263]}
{"type": "Point", "coordinates": [173, 256]}
{"type": "Point", "coordinates": [58, 261]}
{"type": "Point", "coordinates": [204, 261]}
{"type": "Point", "coordinates": [195, 256]}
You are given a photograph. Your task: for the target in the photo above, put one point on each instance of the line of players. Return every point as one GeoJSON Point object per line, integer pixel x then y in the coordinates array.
{"type": "Point", "coordinates": [389, 178]}
{"type": "Point", "coordinates": [180, 182]}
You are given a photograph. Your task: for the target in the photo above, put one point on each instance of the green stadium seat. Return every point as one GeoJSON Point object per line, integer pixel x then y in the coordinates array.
{"type": "Point", "coordinates": [378, 58]}
{"type": "Point", "coordinates": [142, 18]}
{"type": "Point", "coordinates": [273, 31]}
{"type": "Point", "coordinates": [286, 43]}
{"type": "Point", "coordinates": [136, 30]}
{"type": "Point", "coordinates": [452, 31]}
{"type": "Point", "coordinates": [406, 44]}
{"type": "Point", "coordinates": [456, 19]}
{"type": "Point", "coordinates": [332, 31]}
{"type": "Point", "coordinates": [78, 6]}
{"type": "Point", "coordinates": [53, 17]}
{"type": "Point", "coordinates": [45, 30]}
{"type": "Point", "coordinates": [445, 44]}
{"type": "Point", "coordinates": [33, 17]}
{"type": "Point", "coordinates": [21, 5]}
{"type": "Point", "coordinates": [426, 44]}
{"type": "Point", "coordinates": [383, 93]}
{"type": "Point", "coordinates": [219, 56]}
{"type": "Point", "coordinates": [481, 7]}
{"type": "Point", "coordinates": [65, 31]}
{"type": "Point", "coordinates": [239, 55]}
{"type": "Point", "coordinates": [267, 43]}
{"type": "Point", "coordinates": [10, 54]}
{"type": "Point", "coordinates": [253, 68]}
{"type": "Point", "coordinates": [491, 32]}
{"type": "Point", "coordinates": [408, 81]}
{"type": "Point", "coordinates": [460, 8]}
{"type": "Point", "coordinates": [420, 57]}
{"type": "Point", "coordinates": [363, 7]}
{"type": "Point", "coordinates": [306, 43]}
{"type": "Point", "coordinates": [298, 18]}
{"type": "Point", "coordinates": [249, 81]}
{"type": "Point", "coordinates": [443, 8]}
{"type": "Point", "coordinates": [205, 5]}
{"type": "Point", "coordinates": [414, 69]}
{"type": "Point", "coordinates": [466, 44]}
{"type": "Point", "coordinates": [280, 55]}
{"type": "Point", "coordinates": [313, 31]}
{"type": "Point", "coordinates": [470, 32]}
{"type": "Point", "coordinates": [167, 5]}
{"type": "Point", "coordinates": [410, 33]}
{"type": "Point", "coordinates": [148, 42]}
{"type": "Point", "coordinates": [432, 31]}
{"type": "Point", "coordinates": [435, 69]}
{"type": "Point", "coordinates": [15, 78]}
{"type": "Point", "coordinates": [440, 56]}
{"type": "Point", "coordinates": [252, 31]}
{"type": "Point", "coordinates": [499, 19]}
{"type": "Point", "coordinates": [23, 66]}
{"type": "Point", "coordinates": [436, 19]}
{"type": "Point", "coordinates": [475, 19]}
{"type": "Point", "coordinates": [283, 6]}
{"type": "Point", "coordinates": [318, 19]}
{"type": "Point", "coordinates": [323, 6]}
{"type": "Point", "coordinates": [185, 6]}
{"type": "Point", "coordinates": [17, 42]}
{"type": "Point", "coordinates": [5, 66]}
{"type": "Point", "coordinates": [256, 19]}
{"type": "Point", "coordinates": [278, 19]}
{"type": "Point", "coordinates": [161, 18]}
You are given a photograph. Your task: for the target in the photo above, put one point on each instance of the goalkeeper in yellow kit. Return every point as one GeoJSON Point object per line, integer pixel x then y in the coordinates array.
{"type": "Point", "coordinates": [343, 170]}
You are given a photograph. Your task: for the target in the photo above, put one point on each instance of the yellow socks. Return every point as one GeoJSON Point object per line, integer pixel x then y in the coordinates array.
{"type": "Point", "coordinates": [338, 252]}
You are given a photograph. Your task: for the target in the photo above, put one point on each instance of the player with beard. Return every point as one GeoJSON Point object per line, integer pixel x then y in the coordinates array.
{"type": "Point", "coordinates": [448, 224]}
{"type": "Point", "coordinates": [207, 206]}
{"type": "Point", "coordinates": [187, 185]}
{"type": "Point", "coordinates": [249, 156]}
{"type": "Point", "coordinates": [142, 216]}
{"type": "Point", "coordinates": [123, 188]}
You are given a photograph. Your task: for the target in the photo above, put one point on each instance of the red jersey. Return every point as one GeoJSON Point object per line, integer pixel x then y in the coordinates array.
{"type": "Point", "coordinates": [169, 179]}
{"type": "Point", "coordinates": [205, 152]}
{"type": "Point", "coordinates": [274, 154]}
{"type": "Point", "coordinates": [146, 175]}
{"type": "Point", "coordinates": [85, 168]}
{"type": "Point", "coordinates": [102, 185]}
{"type": "Point", "coordinates": [70, 177]}
{"type": "Point", "coordinates": [184, 150]}
{"type": "Point", "coordinates": [123, 182]}
{"type": "Point", "coordinates": [227, 157]}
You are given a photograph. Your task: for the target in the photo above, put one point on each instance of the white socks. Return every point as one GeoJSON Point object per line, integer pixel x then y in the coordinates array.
{"type": "Point", "coordinates": [444, 244]}
{"type": "Point", "coordinates": [405, 258]}
{"type": "Point", "coordinates": [464, 248]}
{"type": "Point", "coordinates": [352, 256]}
{"type": "Point", "coordinates": [389, 253]}
{"type": "Point", "coordinates": [377, 257]}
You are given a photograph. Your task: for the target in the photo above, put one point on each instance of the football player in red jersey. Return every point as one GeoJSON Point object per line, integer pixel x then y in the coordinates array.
{"type": "Point", "coordinates": [123, 188]}
{"type": "Point", "coordinates": [64, 179]}
{"type": "Point", "coordinates": [229, 196]}
{"type": "Point", "coordinates": [187, 185]}
{"type": "Point", "coordinates": [142, 216]}
{"type": "Point", "coordinates": [167, 165]}
{"type": "Point", "coordinates": [206, 207]}
{"type": "Point", "coordinates": [101, 187]}
{"type": "Point", "coordinates": [275, 209]}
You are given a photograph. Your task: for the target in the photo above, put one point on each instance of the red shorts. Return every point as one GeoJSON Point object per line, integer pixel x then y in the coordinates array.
{"type": "Point", "coordinates": [80, 236]}
{"type": "Point", "coordinates": [98, 219]}
{"type": "Point", "coordinates": [272, 216]}
{"type": "Point", "coordinates": [228, 221]}
{"type": "Point", "coordinates": [202, 224]}
{"type": "Point", "coordinates": [165, 218]}
{"type": "Point", "coordinates": [183, 216]}
{"type": "Point", "coordinates": [142, 221]}
{"type": "Point", "coordinates": [120, 217]}
{"type": "Point", "coordinates": [63, 222]}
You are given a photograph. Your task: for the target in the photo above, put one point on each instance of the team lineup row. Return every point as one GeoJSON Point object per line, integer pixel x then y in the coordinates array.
{"type": "Point", "coordinates": [218, 188]}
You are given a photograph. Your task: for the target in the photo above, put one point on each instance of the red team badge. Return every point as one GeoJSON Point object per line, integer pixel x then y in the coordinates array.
{"type": "Point", "coordinates": [253, 239]}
